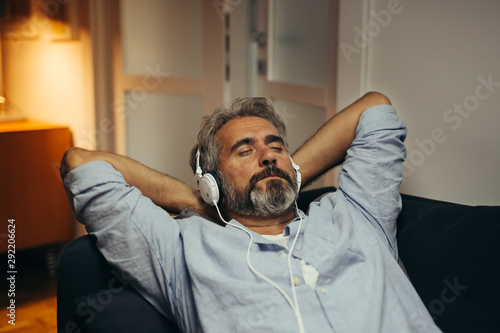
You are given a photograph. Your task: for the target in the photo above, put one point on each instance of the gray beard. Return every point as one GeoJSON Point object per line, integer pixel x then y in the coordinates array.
{"type": "Point", "coordinates": [276, 198]}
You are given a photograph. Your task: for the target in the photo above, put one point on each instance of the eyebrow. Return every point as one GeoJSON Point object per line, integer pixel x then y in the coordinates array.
{"type": "Point", "coordinates": [269, 139]}
{"type": "Point", "coordinates": [273, 138]}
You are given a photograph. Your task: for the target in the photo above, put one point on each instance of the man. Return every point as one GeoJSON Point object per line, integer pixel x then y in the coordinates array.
{"type": "Point", "coordinates": [260, 264]}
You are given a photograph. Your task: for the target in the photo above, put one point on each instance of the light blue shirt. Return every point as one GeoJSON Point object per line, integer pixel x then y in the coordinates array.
{"type": "Point", "coordinates": [195, 271]}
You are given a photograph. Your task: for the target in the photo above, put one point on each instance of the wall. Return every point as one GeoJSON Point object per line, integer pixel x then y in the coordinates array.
{"type": "Point", "coordinates": [439, 63]}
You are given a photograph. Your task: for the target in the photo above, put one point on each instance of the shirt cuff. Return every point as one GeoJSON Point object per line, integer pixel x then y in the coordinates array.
{"type": "Point", "coordinates": [379, 117]}
{"type": "Point", "coordinates": [91, 174]}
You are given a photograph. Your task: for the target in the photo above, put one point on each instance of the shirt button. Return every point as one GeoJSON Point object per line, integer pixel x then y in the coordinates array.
{"type": "Point", "coordinates": [296, 281]}
{"type": "Point", "coordinates": [323, 291]}
{"type": "Point", "coordinates": [284, 255]}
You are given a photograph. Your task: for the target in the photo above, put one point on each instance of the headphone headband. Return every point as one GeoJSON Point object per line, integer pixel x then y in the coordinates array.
{"type": "Point", "coordinates": [198, 173]}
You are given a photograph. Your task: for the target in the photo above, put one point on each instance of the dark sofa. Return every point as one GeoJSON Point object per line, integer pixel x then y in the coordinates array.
{"type": "Point", "coordinates": [450, 252]}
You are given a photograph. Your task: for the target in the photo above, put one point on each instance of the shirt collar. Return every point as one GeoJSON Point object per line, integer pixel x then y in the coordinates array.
{"type": "Point", "coordinates": [290, 229]}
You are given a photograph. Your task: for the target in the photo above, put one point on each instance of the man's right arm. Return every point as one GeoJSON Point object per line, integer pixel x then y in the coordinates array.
{"type": "Point", "coordinates": [165, 191]}
{"type": "Point", "coordinates": [135, 235]}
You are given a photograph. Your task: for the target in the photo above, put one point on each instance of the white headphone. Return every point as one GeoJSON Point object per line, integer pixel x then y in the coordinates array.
{"type": "Point", "coordinates": [209, 183]}
{"type": "Point", "coordinates": [297, 173]}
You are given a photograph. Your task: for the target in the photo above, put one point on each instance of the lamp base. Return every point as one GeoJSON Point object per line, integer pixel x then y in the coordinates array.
{"type": "Point", "coordinates": [9, 116]}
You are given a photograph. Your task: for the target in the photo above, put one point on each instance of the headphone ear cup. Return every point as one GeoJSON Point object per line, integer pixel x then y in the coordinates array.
{"type": "Point", "coordinates": [299, 179]}
{"type": "Point", "coordinates": [297, 173]}
{"type": "Point", "coordinates": [209, 185]}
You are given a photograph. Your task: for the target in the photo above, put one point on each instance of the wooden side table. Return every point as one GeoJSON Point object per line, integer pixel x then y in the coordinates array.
{"type": "Point", "coordinates": [31, 191]}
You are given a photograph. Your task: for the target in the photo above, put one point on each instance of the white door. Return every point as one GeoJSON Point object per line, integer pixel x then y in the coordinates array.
{"type": "Point", "coordinates": [294, 54]}
{"type": "Point", "coordinates": [166, 72]}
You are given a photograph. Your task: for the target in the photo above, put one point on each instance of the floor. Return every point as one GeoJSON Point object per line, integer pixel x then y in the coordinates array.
{"type": "Point", "coordinates": [35, 295]}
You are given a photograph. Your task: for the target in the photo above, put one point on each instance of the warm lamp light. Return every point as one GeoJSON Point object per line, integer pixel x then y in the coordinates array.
{"type": "Point", "coordinates": [5, 113]}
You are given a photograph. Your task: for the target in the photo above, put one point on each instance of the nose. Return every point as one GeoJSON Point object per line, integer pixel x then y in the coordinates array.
{"type": "Point", "coordinates": [268, 158]}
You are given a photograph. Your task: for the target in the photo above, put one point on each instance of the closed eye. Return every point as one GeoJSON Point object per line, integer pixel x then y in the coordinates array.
{"type": "Point", "coordinates": [244, 152]}
{"type": "Point", "coordinates": [275, 142]}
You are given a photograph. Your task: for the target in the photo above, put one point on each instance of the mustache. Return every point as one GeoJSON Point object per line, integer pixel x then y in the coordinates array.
{"type": "Point", "coordinates": [270, 171]}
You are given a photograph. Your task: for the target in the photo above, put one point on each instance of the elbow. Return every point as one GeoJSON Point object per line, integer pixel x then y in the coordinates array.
{"type": "Point", "coordinates": [72, 159]}
{"type": "Point", "coordinates": [376, 98]}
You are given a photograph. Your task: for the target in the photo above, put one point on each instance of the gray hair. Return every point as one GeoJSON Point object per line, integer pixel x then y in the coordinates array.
{"type": "Point", "coordinates": [211, 124]}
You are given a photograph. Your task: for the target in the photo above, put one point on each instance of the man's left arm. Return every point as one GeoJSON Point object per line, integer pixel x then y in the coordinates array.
{"type": "Point", "coordinates": [327, 148]}
{"type": "Point", "coordinates": [373, 170]}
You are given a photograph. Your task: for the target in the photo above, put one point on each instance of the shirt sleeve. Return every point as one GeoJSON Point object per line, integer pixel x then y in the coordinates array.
{"type": "Point", "coordinates": [134, 235]}
{"type": "Point", "coordinates": [372, 171]}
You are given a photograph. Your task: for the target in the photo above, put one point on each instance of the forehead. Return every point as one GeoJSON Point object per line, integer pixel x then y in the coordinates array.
{"type": "Point", "coordinates": [244, 127]}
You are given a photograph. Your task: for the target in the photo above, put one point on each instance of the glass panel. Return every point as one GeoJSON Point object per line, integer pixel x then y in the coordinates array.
{"type": "Point", "coordinates": [302, 121]}
{"type": "Point", "coordinates": [164, 33]}
{"type": "Point", "coordinates": [162, 130]}
{"type": "Point", "coordinates": [299, 41]}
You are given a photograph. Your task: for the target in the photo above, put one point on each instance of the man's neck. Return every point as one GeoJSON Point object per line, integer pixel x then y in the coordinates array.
{"type": "Point", "coordinates": [268, 225]}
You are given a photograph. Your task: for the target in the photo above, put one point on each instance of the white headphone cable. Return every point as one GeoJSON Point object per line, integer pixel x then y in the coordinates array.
{"type": "Point", "coordinates": [294, 305]}
{"type": "Point", "coordinates": [292, 282]}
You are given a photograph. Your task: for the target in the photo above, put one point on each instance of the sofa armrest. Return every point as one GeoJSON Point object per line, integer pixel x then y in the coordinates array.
{"type": "Point", "coordinates": [451, 253]}
{"type": "Point", "coordinates": [93, 297]}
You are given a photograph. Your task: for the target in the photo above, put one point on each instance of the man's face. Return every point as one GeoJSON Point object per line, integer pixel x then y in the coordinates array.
{"type": "Point", "coordinates": [257, 174]}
